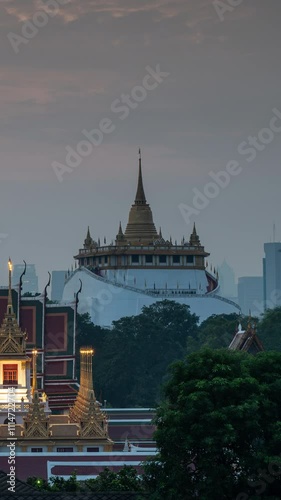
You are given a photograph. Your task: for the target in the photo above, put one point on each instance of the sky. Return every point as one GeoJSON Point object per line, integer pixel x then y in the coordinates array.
{"type": "Point", "coordinates": [203, 82]}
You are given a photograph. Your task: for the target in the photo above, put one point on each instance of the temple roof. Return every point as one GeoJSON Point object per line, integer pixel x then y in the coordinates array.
{"type": "Point", "coordinates": [140, 227]}
{"type": "Point", "coordinates": [12, 339]}
{"type": "Point", "coordinates": [246, 340]}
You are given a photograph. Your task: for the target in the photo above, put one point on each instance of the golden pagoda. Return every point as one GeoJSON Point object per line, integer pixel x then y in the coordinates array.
{"type": "Point", "coordinates": [140, 227]}
{"type": "Point", "coordinates": [86, 410]}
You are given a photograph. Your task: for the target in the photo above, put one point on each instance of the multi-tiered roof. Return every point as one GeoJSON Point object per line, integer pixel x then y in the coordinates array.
{"type": "Point", "coordinates": [141, 245]}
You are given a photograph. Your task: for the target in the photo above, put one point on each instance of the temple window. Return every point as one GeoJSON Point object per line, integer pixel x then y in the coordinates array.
{"type": "Point", "coordinates": [190, 259]}
{"type": "Point", "coordinates": [64, 450]}
{"type": "Point", "coordinates": [162, 259]}
{"type": "Point", "coordinates": [149, 259]}
{"type": "Point", "coordinates": [135, 259]}
{"type": "Point", "coordinates": [10, 375]}
{"type": "Point", "coordinates": [93, 450]}
{"type": "Point", "coordinates": [176, 259]}
{"type": "Point", "coordinates": [36, 450]}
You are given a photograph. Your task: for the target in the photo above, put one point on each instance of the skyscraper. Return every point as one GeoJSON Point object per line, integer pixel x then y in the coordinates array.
{"type": "Point", "coordinates": [250, 294]}
{"type": "Point", "coordinates": [228, 287]}
{"type": "Point", "coordinates": [58, 280]}
{"type": "Point", "coordinates": [272, 275]}
{"type": "Point", "coordinates": [29, 279]}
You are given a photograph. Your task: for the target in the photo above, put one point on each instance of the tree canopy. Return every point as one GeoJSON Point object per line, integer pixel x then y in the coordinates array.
{"type": "Point", "coordinates": [269, 329]}
{"type": "Point", "coordinates": [132, 358]}
{"type": "Point", "coordinates": [126, 479]}
{"type": "Point", "coordinates": [215, 332]}
{"type": "Point", "coordinates": [219, 428]}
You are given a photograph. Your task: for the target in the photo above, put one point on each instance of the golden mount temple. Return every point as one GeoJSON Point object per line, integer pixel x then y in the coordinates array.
{"type": "Point", "coordinates": [142, 267]}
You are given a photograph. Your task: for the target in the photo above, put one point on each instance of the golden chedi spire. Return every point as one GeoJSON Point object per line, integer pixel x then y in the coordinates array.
{"type": "Point", "coordinates": [140, 198]}
{"type": "Point", "coordinates": [194, 238]}
{"type": "Point", "coordinates": [89, 242]}
{"type": "Point", "coordinates": [86, 410]}
{"type": "Point", "coordinates": [120, 238]}
{"type": "Point", "coordinates": [140, 228]}
{"type": "Point", "coordinates": [12, 339]}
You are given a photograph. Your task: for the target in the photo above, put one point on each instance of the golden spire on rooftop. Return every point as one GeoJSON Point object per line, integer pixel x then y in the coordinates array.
{"type": "Point", "coordinates": [12, 339]}
{"type": "Point", "coordinates": [194, 238]}
{"type": "Point", "coordinates": [140, 228]}
{"type": "Point", "coordinates": [10, 302]}
{"type": "Point", "coordinates": [34, 370]}
{"type": "Point", "coordinates": [36, 422]}
{"type": "Point", "coordinates": [120, 238]}
{"type": "Point", "coordinates": [140, 195]}
{"type": "Point", "coordinates": [86, 410]}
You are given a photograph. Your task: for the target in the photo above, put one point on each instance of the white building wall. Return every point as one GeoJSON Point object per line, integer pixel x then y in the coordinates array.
{"type": "Point", "coordinates": [107, 302]}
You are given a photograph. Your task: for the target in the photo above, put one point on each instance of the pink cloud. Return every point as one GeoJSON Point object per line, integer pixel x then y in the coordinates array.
{"type": "Point", "coordinates": [23, 10]}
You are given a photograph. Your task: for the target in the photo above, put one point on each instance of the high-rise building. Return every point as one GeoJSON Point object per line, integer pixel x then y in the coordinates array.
{"type": "Point", "coordinates": [250, 294]}
{"type": "Point", "coordinates": [29, 278]}
{"type": "Point", "coordinates": [228, 287]}
{"type": "Point", "coordinates": [58, 280]}
{"type": "Point", "coordinates": [272, 275]}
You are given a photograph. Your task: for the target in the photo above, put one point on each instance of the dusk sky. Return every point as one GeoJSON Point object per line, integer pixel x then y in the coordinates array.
{"type": "Point", "coordinates": [220, 88]}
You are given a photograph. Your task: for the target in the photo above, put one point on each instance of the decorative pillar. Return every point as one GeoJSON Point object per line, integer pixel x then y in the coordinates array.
{"type": "Point", "coordinates": [34, 370]}
{"type": "Point", "coordinates": [86, 369]}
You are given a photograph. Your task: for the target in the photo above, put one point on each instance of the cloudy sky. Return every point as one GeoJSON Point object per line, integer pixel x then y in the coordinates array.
{"type": "Point", "coordinates": [65, 68]}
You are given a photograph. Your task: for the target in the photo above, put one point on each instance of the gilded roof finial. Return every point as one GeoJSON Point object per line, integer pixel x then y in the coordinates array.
{"type": "Point", "coordinates": [194, 238]}
{"type": "Point", "coordinates": [120, 232]}
{"type": "Point", "coordinates": [10, 303]}
{"type": "Point", "coordinates": [34, 370]}
{"type": "Point", "coordinates": [140, 196]}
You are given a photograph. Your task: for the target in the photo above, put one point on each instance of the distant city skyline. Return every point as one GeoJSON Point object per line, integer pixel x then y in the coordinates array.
{"type": "Point", "coordinates": [199, 94]}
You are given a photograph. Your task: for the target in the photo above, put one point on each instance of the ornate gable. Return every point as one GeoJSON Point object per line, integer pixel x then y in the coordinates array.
{"type": "Point", "coordinates": [36, 423]}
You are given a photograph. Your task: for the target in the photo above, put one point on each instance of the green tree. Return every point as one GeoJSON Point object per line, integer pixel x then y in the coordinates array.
{"type": "Point", "coordinates": [38, 483]}
{"type": "Point", "coordinates": [219, 428]}
{"type": "Point", "coordinates": [135, 354]}
{"type": "Point", "coordinates": [127, 479]}
{"type": "Point", "coordinates": [215, 332]}
{"type": "Point", "coordinates": [56, 483]}
{"type": "Point", "coordinates": [269, 329]}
